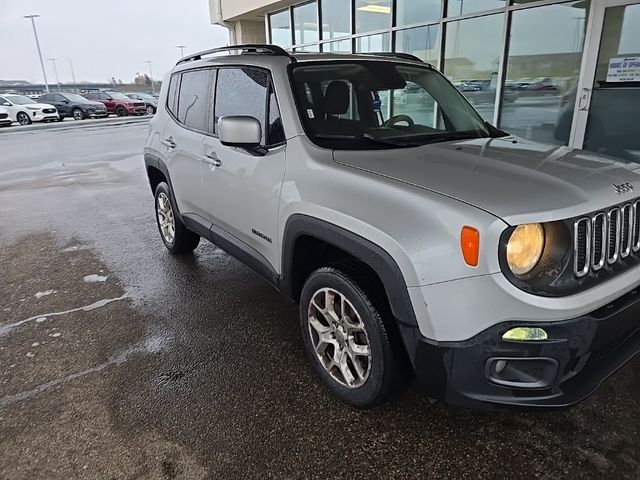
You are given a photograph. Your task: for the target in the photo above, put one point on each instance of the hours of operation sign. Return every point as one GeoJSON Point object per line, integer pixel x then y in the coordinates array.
{"type": "Point", "coordinates": [625, 69]}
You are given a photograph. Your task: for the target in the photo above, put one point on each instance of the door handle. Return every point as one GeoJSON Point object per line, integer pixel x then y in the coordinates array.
{"type": "Point", "coordinates": [585, 99]}
{"type": "Point", "coordinates": [212, 159]}
{"type": "Point", "coordinates": [169, 143]}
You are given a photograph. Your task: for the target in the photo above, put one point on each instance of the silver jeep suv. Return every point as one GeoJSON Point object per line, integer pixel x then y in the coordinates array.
{"type": "Point", "coordinates": [417, 239]}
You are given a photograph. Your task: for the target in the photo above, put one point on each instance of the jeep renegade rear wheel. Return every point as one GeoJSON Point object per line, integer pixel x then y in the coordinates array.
{"type": "Point", "coordinates": [176, 237]}
{"type": "Point", "coordinates": [346, 339]}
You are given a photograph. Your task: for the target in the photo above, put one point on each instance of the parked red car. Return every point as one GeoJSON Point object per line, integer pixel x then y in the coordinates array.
{"type": "Point", "coordinates": [118, 103]}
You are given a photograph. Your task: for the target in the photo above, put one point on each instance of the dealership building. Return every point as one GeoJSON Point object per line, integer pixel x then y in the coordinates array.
{"type": "Point", "coordinates": [557, 72]}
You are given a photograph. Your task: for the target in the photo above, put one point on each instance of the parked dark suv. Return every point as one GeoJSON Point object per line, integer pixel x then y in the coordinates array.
{"type": "Point", "coordinates": [149, 100]}
{"type": "Point", "coordinates": [118, 103]}
{"type": "Point", "coordinates": [74, 106]}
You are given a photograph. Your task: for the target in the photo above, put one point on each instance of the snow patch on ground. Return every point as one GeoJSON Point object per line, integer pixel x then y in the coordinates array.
{"type": "Point", "coordinates": [93, 278]}
{"type": "Point", "coordinates": [45, 293]}
{"type": "Point", "coordinates": [75, 248]}
{"type": "Point", "coordinates": [41, 319]}
{"type": "Point", "coordinates": [54, 335]}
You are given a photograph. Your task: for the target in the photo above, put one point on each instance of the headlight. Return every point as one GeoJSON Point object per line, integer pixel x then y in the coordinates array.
{"type": "Point", "coordinates": [525, 247]}
{"type": "Point", "coordinates": [33, 108]}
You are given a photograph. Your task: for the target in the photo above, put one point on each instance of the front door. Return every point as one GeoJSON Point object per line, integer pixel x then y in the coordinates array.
{"type": "Point", "coordinates": [241, 189]}
{"type": "Point", "coordinates": [607, 116]}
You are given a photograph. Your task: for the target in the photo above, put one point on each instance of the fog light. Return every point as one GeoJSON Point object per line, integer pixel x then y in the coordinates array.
{"type": "Point", "coordinates": [500, 366]}
{"type": "Point", "coordinates": [524, 334]}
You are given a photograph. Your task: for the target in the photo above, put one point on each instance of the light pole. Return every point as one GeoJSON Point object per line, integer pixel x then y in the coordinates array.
{"type": "Point", "coordinates": [153, 89]}
{"type": "Point", "coordinates": [181, 47]}
{"type": "Point", "coordinates": [73, 76]}
{"type": "Point", "coordinates": [55, 70]}
{"type": "Point", "coordinates": [35, 34]}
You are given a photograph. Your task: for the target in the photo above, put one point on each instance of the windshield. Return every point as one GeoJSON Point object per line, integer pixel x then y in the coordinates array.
{"type": "Point", "coordinates": [117, 96]}
{"type": "Point", "coordinates": [382, 104]}
{"type": "Point", "coordinates": [72, 97]}
{"type": "Point", "coordinates": [20, 99]}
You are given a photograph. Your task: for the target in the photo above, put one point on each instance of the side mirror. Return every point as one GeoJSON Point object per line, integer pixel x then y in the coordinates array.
{"type": "Point", "coordinates": [240, 131]}
{"type": "Point", "coordinates": [5, 104]}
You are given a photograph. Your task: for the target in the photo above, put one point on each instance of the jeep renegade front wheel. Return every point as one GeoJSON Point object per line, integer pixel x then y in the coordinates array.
{"type": "Point", "coordinates": [347, 341]}
{"type": "Point", "coordinates": [176, 237]}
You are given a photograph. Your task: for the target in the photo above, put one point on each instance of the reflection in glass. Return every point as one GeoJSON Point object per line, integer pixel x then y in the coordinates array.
{"type": "Point", "coordinates": [415, 11]}
{"type": "Point", "coordinates": [472, 65]}
{"type": "Point", "coordinates": [340, 46]}
{"type": "Point", "coordinates": [421, 42]}
{"type": "Point", "coordinates": [542, 70]}
{"type": "Point", "coordinates": [305, 23]}
{"type": "Point", "coordinates": [372, 15]}
{"type": "Point", "coordinates": [462, 7]}
{"type": "Point", "coordinates": [280, 28]}
{"type": "Point", "coordinates": [336, 18]}
{"type": "Point", "coordinates": [373, 43]}
{"type": "Point", "coordinates": [613, 124]}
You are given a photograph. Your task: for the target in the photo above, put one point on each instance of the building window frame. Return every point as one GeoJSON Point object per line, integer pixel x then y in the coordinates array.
{"type": "Point", "coordinates": [508, 10]}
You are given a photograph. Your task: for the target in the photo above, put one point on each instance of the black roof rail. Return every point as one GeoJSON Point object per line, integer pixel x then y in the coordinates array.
{"type": "Point", "coordinates": [401, 55]}
{"type": "Point", "coordinates": [246, 48]}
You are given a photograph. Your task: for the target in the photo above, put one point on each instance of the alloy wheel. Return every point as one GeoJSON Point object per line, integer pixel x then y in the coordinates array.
{"type": "Point", "coordinates": [149, 110]}
{"type": "Point", "coordinates": [339, 338]}
{"type": "Point", "coordinates": [77, 114]}
{"type": "Point", "coordinates": [23, 119]}
{"type": "Point", "coordinates": [166, 219]}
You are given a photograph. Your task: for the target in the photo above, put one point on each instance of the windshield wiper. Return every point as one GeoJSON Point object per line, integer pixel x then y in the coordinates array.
{"type": "Point", "coordinates": [368, 137]}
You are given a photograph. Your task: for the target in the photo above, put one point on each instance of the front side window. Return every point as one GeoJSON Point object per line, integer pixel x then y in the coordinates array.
{"type": "Point", "coordinates": [194, 99]}
{"type": "Point", "coordinates": [242, 91]}
{"type": "Point", "coordinates": [381, 104]}
{"type": "Point", "coordinates": [275, 131]}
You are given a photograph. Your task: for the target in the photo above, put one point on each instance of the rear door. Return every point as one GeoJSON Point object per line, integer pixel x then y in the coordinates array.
{"type": "Point", "coordinates": [189, 109]}
{"type": "Point", "coordinates": [241, 189]}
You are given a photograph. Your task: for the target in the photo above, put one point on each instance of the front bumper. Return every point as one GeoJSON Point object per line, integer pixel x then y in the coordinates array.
{"type": "Point", "coordinates": [578, 356]}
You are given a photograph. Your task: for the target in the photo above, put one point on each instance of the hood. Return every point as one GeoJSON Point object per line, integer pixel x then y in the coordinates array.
{"type": "Point", "coordinates": [37, 105]}
{"type": "Point", "coordinates": [515, 179]}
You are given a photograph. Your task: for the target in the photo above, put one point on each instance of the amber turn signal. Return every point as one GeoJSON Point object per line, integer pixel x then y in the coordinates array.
{"type": "Point", "coordinates": [470, 244]}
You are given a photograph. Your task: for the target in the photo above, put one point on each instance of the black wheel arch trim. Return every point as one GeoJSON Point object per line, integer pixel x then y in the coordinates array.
{"type": "Point", "coordinates": [367, 252]}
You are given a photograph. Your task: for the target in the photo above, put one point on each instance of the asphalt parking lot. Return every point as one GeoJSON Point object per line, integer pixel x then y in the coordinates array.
{"type": "Point", "coordinates": [119, 361]}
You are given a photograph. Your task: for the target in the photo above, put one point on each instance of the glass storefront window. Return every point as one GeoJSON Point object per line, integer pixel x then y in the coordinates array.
{"type": "Point", "coordinates": [336, 18]}
{"type": "Point", "coordinates": [456, 8]}
{"type": "Point", "coordinates": [340, 46]}
{"type": "Point", "coordinates": [308, 48]}
{"type": "Point", "coordinates": [614, 117]}
{"type": "Point", "coordinates": [305, 23]}
{"type": "Point", "coordinates": [543, 66]}
{"type": "Point", "coordinates": [372, 15]}
{"type": "Point", "coordinates": [280, 28]}
{"type": "Point", "coordinates": [416, 11]}
{"type": "Point", "coordinates": [373, 43]}
{"type": "Point", "coordinates": [421, 42]}
{"type": "Point", "coordinates": [471, 64]}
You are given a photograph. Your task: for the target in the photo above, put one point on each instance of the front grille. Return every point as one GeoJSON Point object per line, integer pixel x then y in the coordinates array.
{"type": "Point", "coordinates": [4, 115]}
{"type": "Point", "coordinates": [606, 238]}
{"type": "Point", "coordinates": [49, 110]}
{"type": "Point", "coordinates": [139, 104]}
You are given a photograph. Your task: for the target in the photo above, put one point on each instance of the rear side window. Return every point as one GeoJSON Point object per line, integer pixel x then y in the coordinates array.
{"type": "Point", "coordinates": [242, 91]}
{"type": "Point", "coordinates": [172, 97]}
{"type": "Point", "coordinates": [194, 99]}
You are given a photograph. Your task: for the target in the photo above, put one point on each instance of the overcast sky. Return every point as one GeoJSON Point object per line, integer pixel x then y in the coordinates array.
{"type": "Point", "coordinates": [103, 38]}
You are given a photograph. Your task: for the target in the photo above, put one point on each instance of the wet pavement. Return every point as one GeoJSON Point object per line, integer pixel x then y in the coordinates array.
{"type": "Point", "coordinates": [119, 361]}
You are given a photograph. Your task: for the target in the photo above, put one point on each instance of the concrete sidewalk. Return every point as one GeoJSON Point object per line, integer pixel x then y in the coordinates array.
{"type": "Point", "coordinates": [70, 123]}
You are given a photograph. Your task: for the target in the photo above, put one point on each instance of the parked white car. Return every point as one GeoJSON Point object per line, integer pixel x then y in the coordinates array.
{"type": "Point", "coordinates": [26, 111]}
{"type": "Point", "coordinates": [5, 119]}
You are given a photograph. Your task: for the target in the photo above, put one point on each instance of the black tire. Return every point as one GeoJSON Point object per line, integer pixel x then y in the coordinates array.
{"type": "Point", "coordinates": [184, 240]}
{"type": "Point", "coordinates": [388, 369]}
{"type": "Point", "coordinates": [78, 114]}
{"type": "Point", "coordinates": [23, 119]}
{"type": "Point", "coordinates": [121, 112]}
{"type": "Point", "coordinates": [151, 110]}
